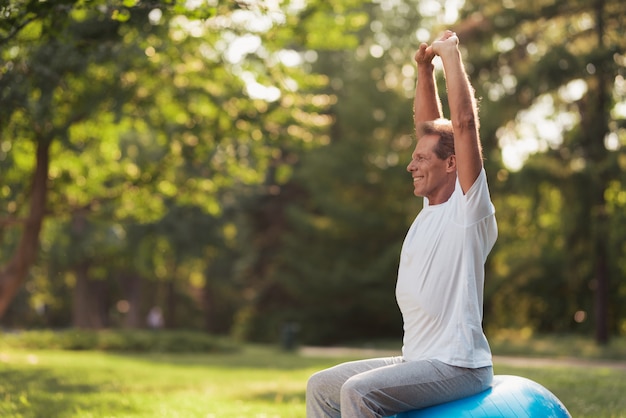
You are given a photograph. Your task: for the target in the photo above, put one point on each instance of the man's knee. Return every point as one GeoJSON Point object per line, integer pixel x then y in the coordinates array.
{"type": "Point", "coordinates": [317, 382]}
{"type": "Point", "coordinates": [353, 389]}
{"type": "Point", "coordinates": [357, 393]}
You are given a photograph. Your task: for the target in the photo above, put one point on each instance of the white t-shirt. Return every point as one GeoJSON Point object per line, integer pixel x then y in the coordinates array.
{"type": "Point", "coordinates": [441, 278]}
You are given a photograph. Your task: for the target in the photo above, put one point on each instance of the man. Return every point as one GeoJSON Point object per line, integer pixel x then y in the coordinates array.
{"type": "Point", "coordinates": [445, 354]}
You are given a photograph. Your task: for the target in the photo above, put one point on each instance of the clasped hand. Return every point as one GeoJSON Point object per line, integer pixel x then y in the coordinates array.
{"type": "Point", "coordinates": [426, 53]}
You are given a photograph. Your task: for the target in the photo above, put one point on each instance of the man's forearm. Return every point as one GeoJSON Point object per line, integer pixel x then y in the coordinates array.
{"type": "Point", "coordinates": [463, 108]}
{"type": "Point", "coordinates": [426, 105]}
{"type": "Point", "coordinates": [463, 111]}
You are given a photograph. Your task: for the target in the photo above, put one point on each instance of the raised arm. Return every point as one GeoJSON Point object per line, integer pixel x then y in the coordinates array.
{"type": "Point", "coordinates": [463, 111]}
{"type": "Point", "coordinates": [426, 105]}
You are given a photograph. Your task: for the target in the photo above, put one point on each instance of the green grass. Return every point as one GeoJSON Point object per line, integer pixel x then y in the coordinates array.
{"type": "Point", "coordinates": [255, 381]}
{"type": "Point", "coordinates": [249, 383]}
{"type": "Point", "coordinates": [118, 340]}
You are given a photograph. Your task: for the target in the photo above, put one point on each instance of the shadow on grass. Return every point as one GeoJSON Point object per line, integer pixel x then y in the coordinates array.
{"type": "Point", "coordinates": [43, 393]}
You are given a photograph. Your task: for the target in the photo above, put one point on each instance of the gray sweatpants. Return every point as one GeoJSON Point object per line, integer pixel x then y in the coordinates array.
{"type": "Point", "coordinates": [385, 386]}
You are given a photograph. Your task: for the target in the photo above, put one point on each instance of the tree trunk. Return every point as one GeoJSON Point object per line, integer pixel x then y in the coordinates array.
{"type": "Point", "coordinates": [170, 302]}
{"type": "Point", "coordinates": [81, 298]}
{"type": "Point", "coordinates": [132, 285]}
{"type": "Point", "coordinates": [90, 300]}
{"type": "Point", "coordinates": [208, 302]}
{"type": "Point", "coordinates": [598, 129]}
{"type": "Point", "coordinates": [601, 294]}
{"type": "Point", "coordinates": [14, 273]}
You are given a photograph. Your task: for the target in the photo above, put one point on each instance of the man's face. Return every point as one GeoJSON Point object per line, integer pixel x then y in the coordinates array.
{"type": "Point", "coordinates": [431, 175]}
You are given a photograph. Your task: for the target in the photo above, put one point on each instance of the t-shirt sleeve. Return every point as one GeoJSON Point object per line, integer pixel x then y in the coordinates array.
{"type": "Point", "coordinates": [476, 203]}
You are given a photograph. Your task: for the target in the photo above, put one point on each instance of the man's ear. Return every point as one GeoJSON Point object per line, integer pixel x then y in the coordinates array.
{"type": "Point", "coordinates": [451, 164]}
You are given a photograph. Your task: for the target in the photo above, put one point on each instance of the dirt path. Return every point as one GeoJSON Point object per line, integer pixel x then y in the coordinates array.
{"type": "Point", "coordinates": [504, 360]}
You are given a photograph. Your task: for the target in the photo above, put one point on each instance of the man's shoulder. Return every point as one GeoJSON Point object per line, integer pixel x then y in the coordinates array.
{"type": "Point", "coordinates": [480, 183]}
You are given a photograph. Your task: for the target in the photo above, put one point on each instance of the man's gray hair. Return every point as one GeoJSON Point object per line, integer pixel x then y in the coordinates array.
{"type": "Point", "coordinates": [443, 129]}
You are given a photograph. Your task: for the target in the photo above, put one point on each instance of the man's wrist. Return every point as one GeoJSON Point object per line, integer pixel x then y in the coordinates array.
{"type": "Point", "coordinates": [450, 53]}
{"type": "Point", "coordinates": [425, 66]}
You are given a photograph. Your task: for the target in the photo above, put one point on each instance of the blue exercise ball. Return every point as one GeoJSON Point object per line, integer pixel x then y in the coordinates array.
{"type": "Point", "coordinates": [509, 396]}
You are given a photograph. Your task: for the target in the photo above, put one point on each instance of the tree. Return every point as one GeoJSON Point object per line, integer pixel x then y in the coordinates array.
{"type": "Point", "coordinates": [339, 225]}
{"type": "Point", "coordinates": [31, 117]}
{"type": "Point", "coordinates": [138, 123]}
{"type": "Point", "coordinates": [519, 53]}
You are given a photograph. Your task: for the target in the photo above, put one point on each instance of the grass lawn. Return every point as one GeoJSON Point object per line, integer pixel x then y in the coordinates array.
{"type": "Point", "coordinates": [254, 382]}
{"type": "Point", "coordinates": [257, 381]}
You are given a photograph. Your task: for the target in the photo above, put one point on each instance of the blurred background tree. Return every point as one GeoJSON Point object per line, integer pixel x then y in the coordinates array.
{"type": "Point", "coordinates": [154, 108]}
{"type": "Point", "coordinates": [241, 165]}
{"type": "Point", "coordinates": [553, 74]}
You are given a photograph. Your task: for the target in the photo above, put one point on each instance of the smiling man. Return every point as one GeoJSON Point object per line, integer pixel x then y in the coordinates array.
{"type": "Point", "coordinates": [433, 164]}
{"type": "Point", "coordinates": [445, 355]}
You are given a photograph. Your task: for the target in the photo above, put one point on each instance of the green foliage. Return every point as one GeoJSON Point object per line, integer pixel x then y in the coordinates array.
{"type": "Point", "coordinates": [149, 118]}
{"type": "Point", "coordinates": [553, 213]}
{"type": "Point", "coordinates": [118, 341]}
{"type": "Point", "coordinates": [343, 215]}
{"type": "Point", "coordinates": [244, 161]}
